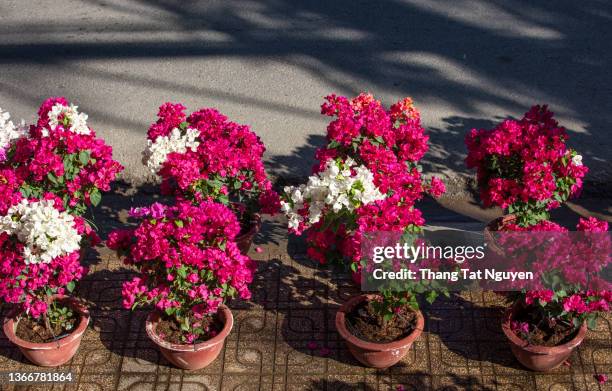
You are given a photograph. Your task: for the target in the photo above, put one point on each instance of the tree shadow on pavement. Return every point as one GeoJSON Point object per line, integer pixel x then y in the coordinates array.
{"type": "Point", "coordinates": [451, 54]}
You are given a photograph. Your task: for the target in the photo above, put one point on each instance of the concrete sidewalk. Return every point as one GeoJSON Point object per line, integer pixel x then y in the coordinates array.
{"type": "Point", "coordinates": [467, 64]}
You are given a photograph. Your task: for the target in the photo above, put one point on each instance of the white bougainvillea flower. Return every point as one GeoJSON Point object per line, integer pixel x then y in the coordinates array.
{"type": "Point", "coordinates": [9, 132]}
{"type": "Point", "coordinates": [45, 232]}
{"type": "Point", "coordinates": [341, 186]}
{"type": "Point", "coordinates": [70, 117]}
{"type": "Point", "coordinates": [156, 153]}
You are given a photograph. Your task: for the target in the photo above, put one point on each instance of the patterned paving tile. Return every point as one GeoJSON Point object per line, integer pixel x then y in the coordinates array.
{"type": "Point", "coordinates": [294, 304]}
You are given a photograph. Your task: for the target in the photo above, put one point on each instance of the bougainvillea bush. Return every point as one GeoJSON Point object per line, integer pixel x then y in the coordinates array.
{"type": "Point", "coordinates": [40, 253]}
{"type": "Point", "coordinates": [60, 154]}
{"type": "Point", "coordinates": [368, 178]}
{"type": "Point", "coordinates": [571, 265]}
{"type": "Point", "coordinates": [206, 157]}
{"type": "Point", "coordinates": [525, 166]}
{"type": "Point", "coordinates": [187, 261]}
{"type": "Point", "coordinates": [569, 290]}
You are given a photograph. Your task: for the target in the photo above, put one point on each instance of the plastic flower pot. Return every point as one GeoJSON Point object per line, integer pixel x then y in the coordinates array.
{"type": "Point", "coordinates": [371, 354]}
{"type": "Point", "coordinates": [244, 240]}
{"type": "Point", "coordinates": [539, 358]}
{"type": "Point", "coordinates": [191, 356]}
{"type": "Point", "coordinates": [492, 227]}
{"type": "Point", "coordinates": [49, 354]}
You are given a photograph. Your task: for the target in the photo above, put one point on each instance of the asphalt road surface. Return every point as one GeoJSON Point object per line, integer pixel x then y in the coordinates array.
{"type": "Point", "coordinates": [467, 63]}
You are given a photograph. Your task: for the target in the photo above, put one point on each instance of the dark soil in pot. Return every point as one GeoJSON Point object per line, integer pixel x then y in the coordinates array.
{"type": "Point", "coordinates": [545, 332]}
{"type": "Point", "coordinates": [34, 330]}
{"type": "Point", "coordinates": [171, 330]}
{"type": "Point", "coordinates": [366, 324]}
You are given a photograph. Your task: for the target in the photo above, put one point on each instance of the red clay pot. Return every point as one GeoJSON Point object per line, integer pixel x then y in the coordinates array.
{"type": "Point", "coordinates": [539, 358]}
{"type": "Point", "coordinates": [50, 354]}
{"type": "Point", "coordinates": [244, 240]}
{"type": "Point", "coordinates": [370, 354]}
{"type": "Point", "coordinates": [195, 356]}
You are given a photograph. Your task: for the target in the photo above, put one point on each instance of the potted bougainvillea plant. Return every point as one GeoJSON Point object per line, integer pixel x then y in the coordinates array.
{"type": "Point", "coordinates": [39, 266]}
{"type": "Point", "coordinates": [188, 264]}
{"type": "Point", "coordinates": [206, 157]}
{"type": "Point", "coordinates": [549, 319]}
{"type": "Point", "coordinates": [60, 154]}
{"type": "Point", "coordinates": [367, 179]}
{"type": "Point", "coordinates": [524, 167]}
{"type": "Point", "coordinates": [49, 173]}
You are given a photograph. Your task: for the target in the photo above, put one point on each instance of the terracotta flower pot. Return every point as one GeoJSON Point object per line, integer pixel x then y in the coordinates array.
{"type": "Point", "coordinates": [539, 358]}
{"type": "Point", "coordinates": [195, 356]}
{"type": "Point", "coordinates": [245, 239]}
{"type": "Point", "coordinates": [493, 226]}
{"type": "Point", "coordinates": [375, 355]}
{"type": "Point", "coordinates": [50, 354]}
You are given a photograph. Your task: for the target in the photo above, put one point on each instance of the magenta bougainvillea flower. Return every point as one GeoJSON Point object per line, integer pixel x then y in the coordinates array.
{"type": "Point", "coordinates": [525, 166]}
{"type": "Point", "coordinates": [187, 260]}
{"type": "Point", "coordinates": [367, 178]}
{"type": "Point", "coordinates": [205, 157]}
{"type": "Point", "coordinates": [61, 154]}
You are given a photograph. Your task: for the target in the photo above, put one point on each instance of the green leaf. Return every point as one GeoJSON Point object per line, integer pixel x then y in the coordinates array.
{"type": "Point", "coordinates": [70, 286]}
{"type": "Point", "coordinates": [182, 271]}
{"type": "Point", "coordinates": [68, 163]}
{"type": "Point", "coordinates": [26, 191]}
{"type": "Point", "coordinates": [431, 296]}
{"type": "Point", "coordinates": [52, 178]}
{"type": "Point", "coordinates": [333, 144]}
{"type": "Point", "coordinates": [84, 157]}
{"type": "Point", "coordinates": [178, 223]}
{"type": "Point", "coordinates": [95, 197]}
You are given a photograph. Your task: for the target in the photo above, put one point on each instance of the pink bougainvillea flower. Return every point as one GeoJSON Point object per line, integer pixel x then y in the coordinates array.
{"type": "Point", "coordinates": [187, 260]}
{"type": "Point", "coordinates": [205, 156]}
{"type": "Point", "coordinates": [27, 279]}
{"type": "Point", "coordinates": [524, 166]}
{"type": "Point", "coordinates": [62, 156]}
{"type": "Point", "coordinates": [601, 378]}
{"type": "Point", "coordinates": [386, 143]}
